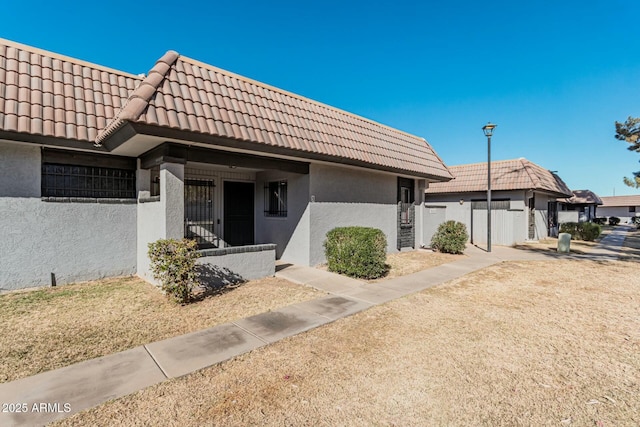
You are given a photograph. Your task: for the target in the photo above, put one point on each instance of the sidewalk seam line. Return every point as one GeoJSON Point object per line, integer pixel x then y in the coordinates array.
{"type": "Point", "coordinates": [156, 362]}
{"type": "Point", "coordinates": [251, 333]}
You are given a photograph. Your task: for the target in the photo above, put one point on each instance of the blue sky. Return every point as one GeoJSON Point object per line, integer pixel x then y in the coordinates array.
{"type": "Point", "coordinates": [553, 75]}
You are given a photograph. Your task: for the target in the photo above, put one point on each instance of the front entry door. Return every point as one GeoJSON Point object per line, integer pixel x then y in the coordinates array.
{"type": "Point", "coordinates": [238, 213]}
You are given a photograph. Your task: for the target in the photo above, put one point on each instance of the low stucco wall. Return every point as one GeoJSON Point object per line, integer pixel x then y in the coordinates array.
{"type": "Point", "coordinates": [248, 262]}
{"type": "Point", "coordinates": [73, 241]}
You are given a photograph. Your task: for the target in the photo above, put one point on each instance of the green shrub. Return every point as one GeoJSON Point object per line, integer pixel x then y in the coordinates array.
{"type": "Point", "coordinates": [614, 220]}
{"type": "Point", "coordinates": [173, 263]}
{"type": "Point", "coordinates": [357, 252]}
{"type": "Point", "coordinates": [590, 231]}
{"type": "Point", "coordinates": [450, 238]}
{"type": "Point", "coordinates": [581, 230]}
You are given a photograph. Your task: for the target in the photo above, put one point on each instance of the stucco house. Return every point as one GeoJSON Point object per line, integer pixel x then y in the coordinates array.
{"type": "Point", "coordinates": [623, 207]}
{"type": "Point", "coordinates": [523, 201]}
{"type": "Point", "coordinates": [95, 163]}
{"type": "Point", "coordinates": [581, 207]}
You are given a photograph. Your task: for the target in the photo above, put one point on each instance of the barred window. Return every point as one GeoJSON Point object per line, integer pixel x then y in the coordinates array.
{"type": "Point", "coordinates": [62, 180]}
{"type": "Point", "coordinates": [275, 199]}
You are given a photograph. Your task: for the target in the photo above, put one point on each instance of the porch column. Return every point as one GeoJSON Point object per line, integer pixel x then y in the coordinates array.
{"type": "Point", "coordinates": [172, 199]}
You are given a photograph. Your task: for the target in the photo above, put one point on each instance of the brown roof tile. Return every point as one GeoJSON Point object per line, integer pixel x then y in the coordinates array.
{"type": "Point", "coordinates": [251, 111]}
{"type": "Point", "coordinates": [519, 174]}
{"type": "Point", "coordinates": [612, 201]}
{"type": "Point", "coordinates": [49, 94]}
{"type": "Point", "coordinates": [582, 197]}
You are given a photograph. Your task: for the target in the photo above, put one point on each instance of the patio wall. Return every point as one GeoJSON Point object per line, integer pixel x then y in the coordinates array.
{"type": "Point", "coordinates": [228, 265]}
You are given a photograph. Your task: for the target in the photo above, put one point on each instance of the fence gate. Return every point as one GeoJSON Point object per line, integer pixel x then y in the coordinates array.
{"type": "Point", "coordinates": [406, 225]}
{"type": "Point", "coordinates": [199, 216]}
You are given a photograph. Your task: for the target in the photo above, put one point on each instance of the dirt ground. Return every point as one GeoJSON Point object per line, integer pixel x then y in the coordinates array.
{"type": "Point", "coordinates": [55, 327]}
{"type": "Point", "coordinates": [520, 343]}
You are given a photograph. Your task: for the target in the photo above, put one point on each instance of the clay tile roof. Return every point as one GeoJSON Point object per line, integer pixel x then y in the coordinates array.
{"type": "Point", "coordinates": [43, 93]}
{"type": "Point", "coordinates": [518, 174]}
{"type": "Point", "coordinates": [191, 96]}
{"type": "Point", "coordinates": [613, 201]}
{"type": "Point", "coordinates": [582, 197]}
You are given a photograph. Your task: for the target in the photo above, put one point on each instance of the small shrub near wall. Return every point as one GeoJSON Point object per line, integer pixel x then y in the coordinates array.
{"type": "Point", "coordinates": [173, 263]}
{"type": "Point", "coordinates": [358, 252]}
{"type": "Point", "coordinates": [450, 238]}
{"type": "Point", "coordinates": [614, 220]}
{"type": "Point", "coordinates": [582, 230]}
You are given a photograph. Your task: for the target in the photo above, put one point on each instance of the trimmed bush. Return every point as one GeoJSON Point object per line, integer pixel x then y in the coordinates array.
{"type": "Point", "coordinates": [582, 230]}
{"type": "Point", "coordinates": [358, 252]}
{"type": "Point", "coordinates": [614, 220]}
{"type": "Point", "coordinates": [173, 263]}
{"type": "Point", "coordinates": [600, 220]}
{"type": "Point", "coordinates": [450, 238]}
{"type": "Point", "coordinates": [590, 231]}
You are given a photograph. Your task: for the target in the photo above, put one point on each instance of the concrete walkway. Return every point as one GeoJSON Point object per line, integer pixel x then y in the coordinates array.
{"type": "Point", "coordinates": [57, 394]}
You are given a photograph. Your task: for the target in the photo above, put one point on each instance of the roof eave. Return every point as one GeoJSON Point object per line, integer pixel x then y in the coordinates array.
{"type": "Point", "coordinates": [126, 130]}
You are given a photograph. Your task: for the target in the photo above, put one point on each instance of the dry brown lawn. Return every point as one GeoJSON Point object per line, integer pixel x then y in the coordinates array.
{"type": "Point", "coordinates": [520, 343]}
{"type": "Point", "coordinates": [55, 327]}
{"type": "Point", "coordinates": [409, 262]}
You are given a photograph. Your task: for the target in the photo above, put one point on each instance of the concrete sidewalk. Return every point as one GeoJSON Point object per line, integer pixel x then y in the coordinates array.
{"type": "Point", "coordinates": [60, 393]}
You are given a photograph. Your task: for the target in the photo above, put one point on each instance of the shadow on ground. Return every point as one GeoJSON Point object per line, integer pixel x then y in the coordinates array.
{"type": "Point", "coordinates": [216, 280]}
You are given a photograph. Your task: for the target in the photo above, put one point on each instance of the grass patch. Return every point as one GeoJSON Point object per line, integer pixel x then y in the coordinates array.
{"type": "Point", "coordinates": [404, 263]}
{"type": "Point", "coordinates": [519, 343]}
{"type": "Point", "coordinates": [55, 327]}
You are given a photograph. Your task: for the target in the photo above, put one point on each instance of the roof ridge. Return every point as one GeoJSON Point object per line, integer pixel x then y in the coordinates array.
{"type": "Point", "coordinates": [139, 99]}
{"type": "Point", "coordinates": [66, 58]}
{"type": "Point", "coordinates": [294, 95]}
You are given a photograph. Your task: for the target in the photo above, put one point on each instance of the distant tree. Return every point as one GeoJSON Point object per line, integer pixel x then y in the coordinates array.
{"type": "Point", "coordinates": [629, 131]}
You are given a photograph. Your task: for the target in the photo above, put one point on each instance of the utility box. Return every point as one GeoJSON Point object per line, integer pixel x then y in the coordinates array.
{"type": "Point", "coordinates": [564, 243]}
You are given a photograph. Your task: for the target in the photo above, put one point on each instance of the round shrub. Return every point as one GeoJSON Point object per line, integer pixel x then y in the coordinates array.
{"type": "Point", "coordinates": [173, 263]}
{"type": "Point", "coordinates": [450, 238]}
{"type": "Point", "coordinates": [614, 220]}
{"type": "Point", "coordinates": [358, 252]}
{"type": "Point", "coordinates": [590, 231]}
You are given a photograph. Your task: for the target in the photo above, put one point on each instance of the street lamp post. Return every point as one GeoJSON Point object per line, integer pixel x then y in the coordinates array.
{"type": "Point", "coordinates": [488, 132]}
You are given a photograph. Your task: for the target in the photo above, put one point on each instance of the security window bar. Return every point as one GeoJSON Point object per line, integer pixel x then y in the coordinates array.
{"type": "Point", "coordinates": [275, 199]}
{"type": "Point", "coordinates": [87, 181]}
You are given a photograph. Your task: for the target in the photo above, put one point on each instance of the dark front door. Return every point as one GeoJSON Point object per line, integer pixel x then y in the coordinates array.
{"type": "Point", "coordinates": [238, 213]}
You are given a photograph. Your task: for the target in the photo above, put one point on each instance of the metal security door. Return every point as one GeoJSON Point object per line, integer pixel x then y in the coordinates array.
{"type": "Point", "coordinates": [532, 218]}
{"type": "Point", "coordinates": [199, 217]}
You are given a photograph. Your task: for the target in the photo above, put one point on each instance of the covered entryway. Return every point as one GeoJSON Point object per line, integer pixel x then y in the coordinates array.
{"type": "Point", "coordinates": [406, 213]}
{"type": "Point", "coordinates": [239, 213]}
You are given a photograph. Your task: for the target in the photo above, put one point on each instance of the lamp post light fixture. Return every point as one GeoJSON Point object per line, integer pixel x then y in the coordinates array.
{"type": "Point", "coordinates": [488, 132]}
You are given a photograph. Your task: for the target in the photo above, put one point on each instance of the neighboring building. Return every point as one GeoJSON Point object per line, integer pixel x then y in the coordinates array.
{"type": "Point", "coordinates": [96, 163]}
{"type": "Point", "coordinates": [523, 201]}
{"type": "Point", "coordinates": [623, 207]}
{"type": "Point", "coordinates": [581, 207]}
